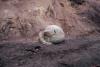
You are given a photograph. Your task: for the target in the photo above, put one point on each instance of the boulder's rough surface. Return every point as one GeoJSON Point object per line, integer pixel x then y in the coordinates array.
{"type": "Point", "coordinates": [23, 19]}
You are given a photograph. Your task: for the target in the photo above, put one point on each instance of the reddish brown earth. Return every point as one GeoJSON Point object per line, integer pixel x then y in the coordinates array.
{"type": "Point", "coordinates": [22, 20]}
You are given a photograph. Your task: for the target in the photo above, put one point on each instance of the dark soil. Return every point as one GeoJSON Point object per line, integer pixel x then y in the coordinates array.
{"type": "Point", "coordinates": [82, 52]}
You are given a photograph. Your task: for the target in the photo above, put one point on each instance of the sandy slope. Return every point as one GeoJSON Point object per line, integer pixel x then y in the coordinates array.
{"type": "Point", "coordinates": [24, 19]}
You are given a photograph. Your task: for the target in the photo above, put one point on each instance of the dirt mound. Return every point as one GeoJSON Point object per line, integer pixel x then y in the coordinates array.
{"type": "Point", "coordinates": [23, 19]}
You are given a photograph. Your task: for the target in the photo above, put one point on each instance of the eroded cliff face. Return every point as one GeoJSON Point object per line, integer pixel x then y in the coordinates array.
{"type": "Point", "coordinates": [24, 19]}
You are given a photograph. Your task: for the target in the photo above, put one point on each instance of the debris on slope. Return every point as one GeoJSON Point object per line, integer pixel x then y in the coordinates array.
{"type": "Point", "coordinates": [27, 18]}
